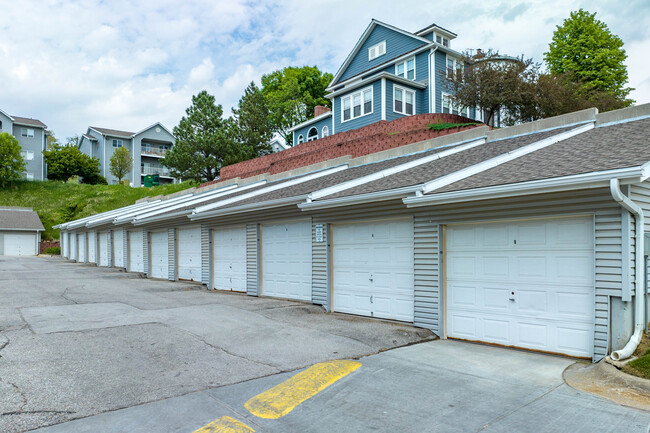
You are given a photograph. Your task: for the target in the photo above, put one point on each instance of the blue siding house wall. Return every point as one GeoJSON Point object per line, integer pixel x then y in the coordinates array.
{"type": "Point", "coordinates": [375, 116]}
{"type": "Point", "coordinates": [304, 131]}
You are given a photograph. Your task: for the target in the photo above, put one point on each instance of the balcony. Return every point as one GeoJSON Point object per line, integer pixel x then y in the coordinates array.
{"type": "Point", "coordinates": [155, 151]}
{"type": "Point", "coordinates": [160, 171]}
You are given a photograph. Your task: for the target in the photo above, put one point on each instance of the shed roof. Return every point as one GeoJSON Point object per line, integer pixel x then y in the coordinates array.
{"type": "Point", "coordinates": [19, 218]}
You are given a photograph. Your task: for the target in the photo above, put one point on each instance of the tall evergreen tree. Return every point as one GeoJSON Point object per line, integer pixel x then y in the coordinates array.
{"type": "Point", "coordinates": [204, 142]}
{"type": "Point", "coordinates": [253, 128]}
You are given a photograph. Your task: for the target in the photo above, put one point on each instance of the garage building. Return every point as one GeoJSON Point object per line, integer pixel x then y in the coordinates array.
{"type": "Point", "coordinates": [20, 231]}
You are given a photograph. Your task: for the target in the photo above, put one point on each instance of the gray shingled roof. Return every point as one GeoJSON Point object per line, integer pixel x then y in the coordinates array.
{"type": "Point", "coordinates": [15, 218]}
{"type": "Point", "coordinates": [447, 165]}
{"type": "Point", "coordinates": [606, 148]}
{"type": "Point", "coordinates": [29, 121]}
{"type": "Point", "coordinates": [113, 132]}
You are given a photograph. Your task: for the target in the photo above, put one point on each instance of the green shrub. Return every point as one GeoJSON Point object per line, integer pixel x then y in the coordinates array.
{"type": "Point", "coordinates": [53, 250]}
{"type": "Point", "coordinates": [441, 126]}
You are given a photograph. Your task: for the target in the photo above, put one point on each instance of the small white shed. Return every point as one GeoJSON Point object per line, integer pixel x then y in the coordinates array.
{"type": "Point", "coordinates": [20, 231]}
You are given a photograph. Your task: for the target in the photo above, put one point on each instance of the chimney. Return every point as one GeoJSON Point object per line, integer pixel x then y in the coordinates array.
{"type": "Point", "coordinates": [320, 109]}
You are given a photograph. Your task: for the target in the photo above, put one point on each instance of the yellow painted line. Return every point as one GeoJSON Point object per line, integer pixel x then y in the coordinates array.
{"type": "Point", "coordinates": [283, 398]}
{"type": "Point", "coordinates": [225, 424]}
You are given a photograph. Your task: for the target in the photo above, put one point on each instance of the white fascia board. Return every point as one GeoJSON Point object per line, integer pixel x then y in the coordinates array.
{"type": "Point", "coordinates": [248, 207]}
{"type": "Point", "coordinates": [280, 185]}
{"type": "Point", "coordinates": [360, 199]}
{"type": "Point", "coordinates": [501, 159]}
{"type": "Point", "coordinates": [645, 171]}
{"type": "Point", "coordinates": [164, 217]}
{"type": "Point", "coordinates": [393, 170]}
{"type": "Point", "coordinates": [210, 195]}
{"type": "Point", "coordinates": [310, 121]}
{"type": "Point", "coordinates": [162, 205]}
{"type": "Point", "coordinates": [599, 179]}
{"type": "Point", "coordinates": [126, 212]}
{"type": "Point", "coordinates": [371, 79]}
{"type": "Point", "coordinates": [82, 222]}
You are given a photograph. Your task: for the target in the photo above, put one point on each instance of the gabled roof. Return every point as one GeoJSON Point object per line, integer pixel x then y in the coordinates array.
{"type": "Point", "coordinates": [434, 27]}
{"type": "Point", "coordinates": [113, 132]}
{"type": "Point", "coordinates": [151, 126]}
{"type": "Point", "coordinates": [89, 137]}
{"type": "Point", "coordinates": [19, 218]}
{"type": "Point", "coordinates": [27, 121]}
{"type": "Point", "coordinates": [373, 23]}
{"type": "Point", "coordinates": [310, 121]}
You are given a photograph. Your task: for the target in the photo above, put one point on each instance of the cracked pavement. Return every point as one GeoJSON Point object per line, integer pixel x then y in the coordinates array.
{"type": "Point", "coordinates": [77, 340]}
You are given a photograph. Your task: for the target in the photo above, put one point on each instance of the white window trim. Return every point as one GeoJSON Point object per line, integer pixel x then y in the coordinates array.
{"type": "Point", "coordinates": [404, 91]}
{"type": "Point", "coordinates": [27, 155]}
{"type": "Point", "coordinates": [29, 175]}
{"type": "Point", "coordinates": [351, 97]}
{"type": "Point", "coordinates": [405, 63]}
{"type": "Point", "coordinates": [116, 142]}
{"type": "Point", "coordinates": [452, 107]}
{"type": "Point", "coordinates": [376, 46]}
{"type": "Point", "coordinates": [313, 138]}
{"type": "Point", "coordinates": [27, 132]}
{"type": "Point", "coordinates": [325, 132]}
{"type": "Point", "coordinates": [300, 139]}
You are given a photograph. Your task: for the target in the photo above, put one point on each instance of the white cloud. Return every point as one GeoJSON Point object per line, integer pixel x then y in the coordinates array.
{"type": "Point", "coordinates": [125, 65]}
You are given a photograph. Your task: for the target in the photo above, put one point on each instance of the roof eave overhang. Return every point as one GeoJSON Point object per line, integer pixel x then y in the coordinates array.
{"type": "Point", "coordinates": [373, 78]}
{"type": "Point", "coordinates": [158, 218]}
{"type": "Point", "coordinates": [309, 122]}
{"type": "Point", "coordinates": [251, 207]}
{"type": "Point", "coordinates": [360, 199]}
{"type": "Point", "coordinates": [576, 182]}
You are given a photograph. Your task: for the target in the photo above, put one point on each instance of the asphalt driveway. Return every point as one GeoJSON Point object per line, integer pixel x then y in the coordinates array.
{"type": "Point", "coordinates": [77, 340]}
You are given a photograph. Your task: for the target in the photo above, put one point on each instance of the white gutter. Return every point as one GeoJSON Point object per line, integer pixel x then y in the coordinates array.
{"type": "Point", "coordinates": [639, 298]}
{"type": "Point", "coordinates": [501, 159]}
{"type": "Point", "coordinates": [392, 170]}
{"type": "Point", "coordinates": [249, 207]}
{"type": "Point", "coordinates": [599, 179]}
{"type": "Point", "coordinates": [360, 199]}
{"type": "Point", "coordinates": [271, 188]}
{"type": "Point", "coordinates": [155, 216]}
{"type": "Point", "coordinates": [126, 213]}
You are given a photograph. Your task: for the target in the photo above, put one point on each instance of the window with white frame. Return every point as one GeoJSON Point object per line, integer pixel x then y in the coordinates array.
{"type": "Point", "coordinates": [300, 139]}
{"type": "Point", "coordinates": [403, 101]}
{"type": "Point", "coordinates": [27, 155]}
{"type": "Point", "coordinates": [26, 132]}
{"type": "Point", "coordinates": [406, 69]}
{"type": "Point", "coordinates": [454, 66]}
{"type": "Point", "coordinates": [117, 143]}
{"type": "Point", "coordinates": [377, 50]}
{"type": "Point", "coordinates": [325, 132]}
{"type": "Point", "coordinates": [449, 107]}
{"type": "Point", "coordinates": [28, 175]}
{"type": "Point", "coordinates": [312, 134]}
{"type": "Point", "coordinates": [478, 114]}
{"type": "Point", "coordinates": [356, 104]}
{"type": "Point", "coordinates": [442, 40]}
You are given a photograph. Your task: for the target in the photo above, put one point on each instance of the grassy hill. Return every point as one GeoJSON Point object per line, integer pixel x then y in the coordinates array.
{"type": "Point", "coordinates": [57, 202]}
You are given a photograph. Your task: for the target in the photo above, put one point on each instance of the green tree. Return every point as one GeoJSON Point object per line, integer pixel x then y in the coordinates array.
{"type": "Point", "coordinates": [292, 93]}
{"type": "Point", "coordinates": [204, 142]}
{"type": "Point", "coordinates": [585, 48]}
{"type": "Point", "coordinates": [65, 161]}
{"type": "Point", "coordinates": [253, 129]}
{"type": "Point", "coordinates": [11, 162]}
{"type": "Point", "coordinates": [121, 163]}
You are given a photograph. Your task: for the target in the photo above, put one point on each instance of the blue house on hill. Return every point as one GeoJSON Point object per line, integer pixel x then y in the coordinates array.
{"type": "Point", "coordinates": [390, 73]}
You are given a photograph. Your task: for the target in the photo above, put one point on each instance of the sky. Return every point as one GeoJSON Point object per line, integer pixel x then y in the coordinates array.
{"type": "Point", "coordinates": [128, 64]}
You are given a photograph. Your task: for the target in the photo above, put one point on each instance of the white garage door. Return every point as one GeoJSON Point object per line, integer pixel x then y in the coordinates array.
{"type": "Point", "coordinates": [189, 253]}
{"type": "Point", "coordinates": [92, 247]}
{"type": "Point", "coordinates": [229, 258]}
{"type": "Point", "coordinates": [136, 252]}
{"type": "Point", "coordinates": [286, 260]}
{"type": "Point", "coordinates": [19, 244]}
{"type": "Point", "coordinates": [65, 247]}
{"type": "Point", "coordinates": [118, 248]}
{"type": "Point", "coordinates": [81, 247]}
{"type": "Point", "coordinates": [527, 284]}
{"type": "Point", "coordinates": [159, 253]}
{"type": "Point", "coordinates": [104, 250]}
{"type": "Point", "coordinates": [373, 269]}
{"type": "Point", "coordinates": [73, 246]}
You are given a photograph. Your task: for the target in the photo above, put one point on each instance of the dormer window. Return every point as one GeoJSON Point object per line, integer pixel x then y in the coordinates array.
{"type": "Point", "coordinates": [406, 69]}
{"type": "Point", "coordinates": [377, 50]}
{"type": "Point", "coordinates": [442, 40]}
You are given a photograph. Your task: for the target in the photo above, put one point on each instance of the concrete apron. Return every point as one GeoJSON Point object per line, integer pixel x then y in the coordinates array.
{"type": "Point", "coordinates": [441, 386]}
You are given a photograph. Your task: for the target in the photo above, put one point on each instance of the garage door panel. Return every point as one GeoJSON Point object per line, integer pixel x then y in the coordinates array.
{"type": "Point", "coordinates": [19, 244]}
{"type": "Point", "coordinates": [92, 247]}
{"type": "Point", "coordinates": [159, 252]}
{"type": "Point", "coordinates": [82, 248]}
{"type": "Point", "coordinates": [103, 249]}
{"type": "Point", "coordinates": [229, 259]}
{"type": "Point", "coordinates": [286, 260]}
{"type": "Point", "coordinates": [118, 248]}
{"type": "Point", "coordinates": [373, 269]}
{"type": "Point", "coordinates": [189, 253]}
{"type": "Point", "coordinates": [532, 284]}
{"type": "Point", "coordinates": [136, 252]}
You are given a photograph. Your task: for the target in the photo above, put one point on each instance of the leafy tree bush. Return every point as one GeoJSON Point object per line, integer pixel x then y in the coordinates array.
{"type": "Point", "coordinates": [53, 250]}
{"type": "Point", "coordinates": [11, 162]}
{"type": "Point", "coordinates": [121, 163]}
{"type": "Point", "coordinates": [65, 161]}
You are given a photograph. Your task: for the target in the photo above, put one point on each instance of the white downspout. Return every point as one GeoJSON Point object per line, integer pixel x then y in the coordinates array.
{"type": "Point", "coordinates": [639, 298]}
